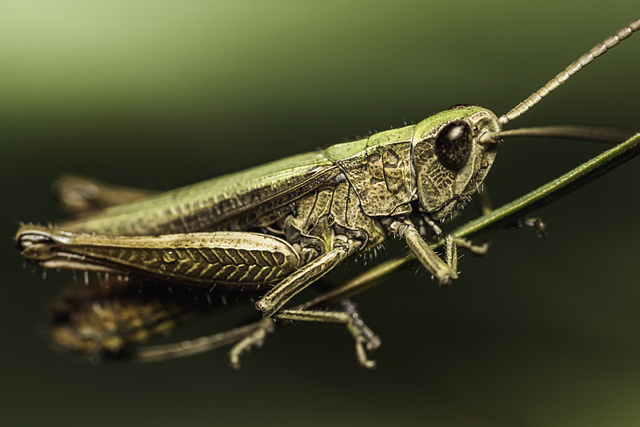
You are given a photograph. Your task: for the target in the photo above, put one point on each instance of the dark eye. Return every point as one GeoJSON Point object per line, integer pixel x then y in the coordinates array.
{"type": "Point", "coordinates": [453, 146]}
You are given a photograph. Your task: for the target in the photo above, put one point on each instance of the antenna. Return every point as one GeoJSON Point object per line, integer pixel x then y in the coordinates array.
{"type": "Point", "coordinates": [585, 59]}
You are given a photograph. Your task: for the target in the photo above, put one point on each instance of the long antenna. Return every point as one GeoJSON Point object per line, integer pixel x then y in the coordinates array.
{"type": "Point", "coordinates": [585, 59]}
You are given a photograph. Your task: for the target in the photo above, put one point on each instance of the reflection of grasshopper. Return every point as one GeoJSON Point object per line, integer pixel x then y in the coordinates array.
{"type": "Point", "coordinates": [284, 225]}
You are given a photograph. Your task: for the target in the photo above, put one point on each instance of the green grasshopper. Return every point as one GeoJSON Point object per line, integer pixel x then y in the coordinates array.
{"type": "Point", "coordinates": [280, 227]}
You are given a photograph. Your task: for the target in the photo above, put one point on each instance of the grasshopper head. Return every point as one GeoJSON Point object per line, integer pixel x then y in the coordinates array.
{"type": "Point", "coordinates": [450, 163]}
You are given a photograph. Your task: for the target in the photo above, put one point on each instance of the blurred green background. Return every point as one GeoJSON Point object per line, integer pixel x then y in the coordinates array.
{"type": "Point", "coordinates": [159, 94]}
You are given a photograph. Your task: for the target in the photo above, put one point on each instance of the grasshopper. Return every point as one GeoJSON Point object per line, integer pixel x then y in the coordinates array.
{"type": "Point", "coordinates": [278, 228]}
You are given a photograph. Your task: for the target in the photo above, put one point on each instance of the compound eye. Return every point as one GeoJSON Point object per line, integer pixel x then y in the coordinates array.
{"type": "Point", "coordinates": [453, 146]}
